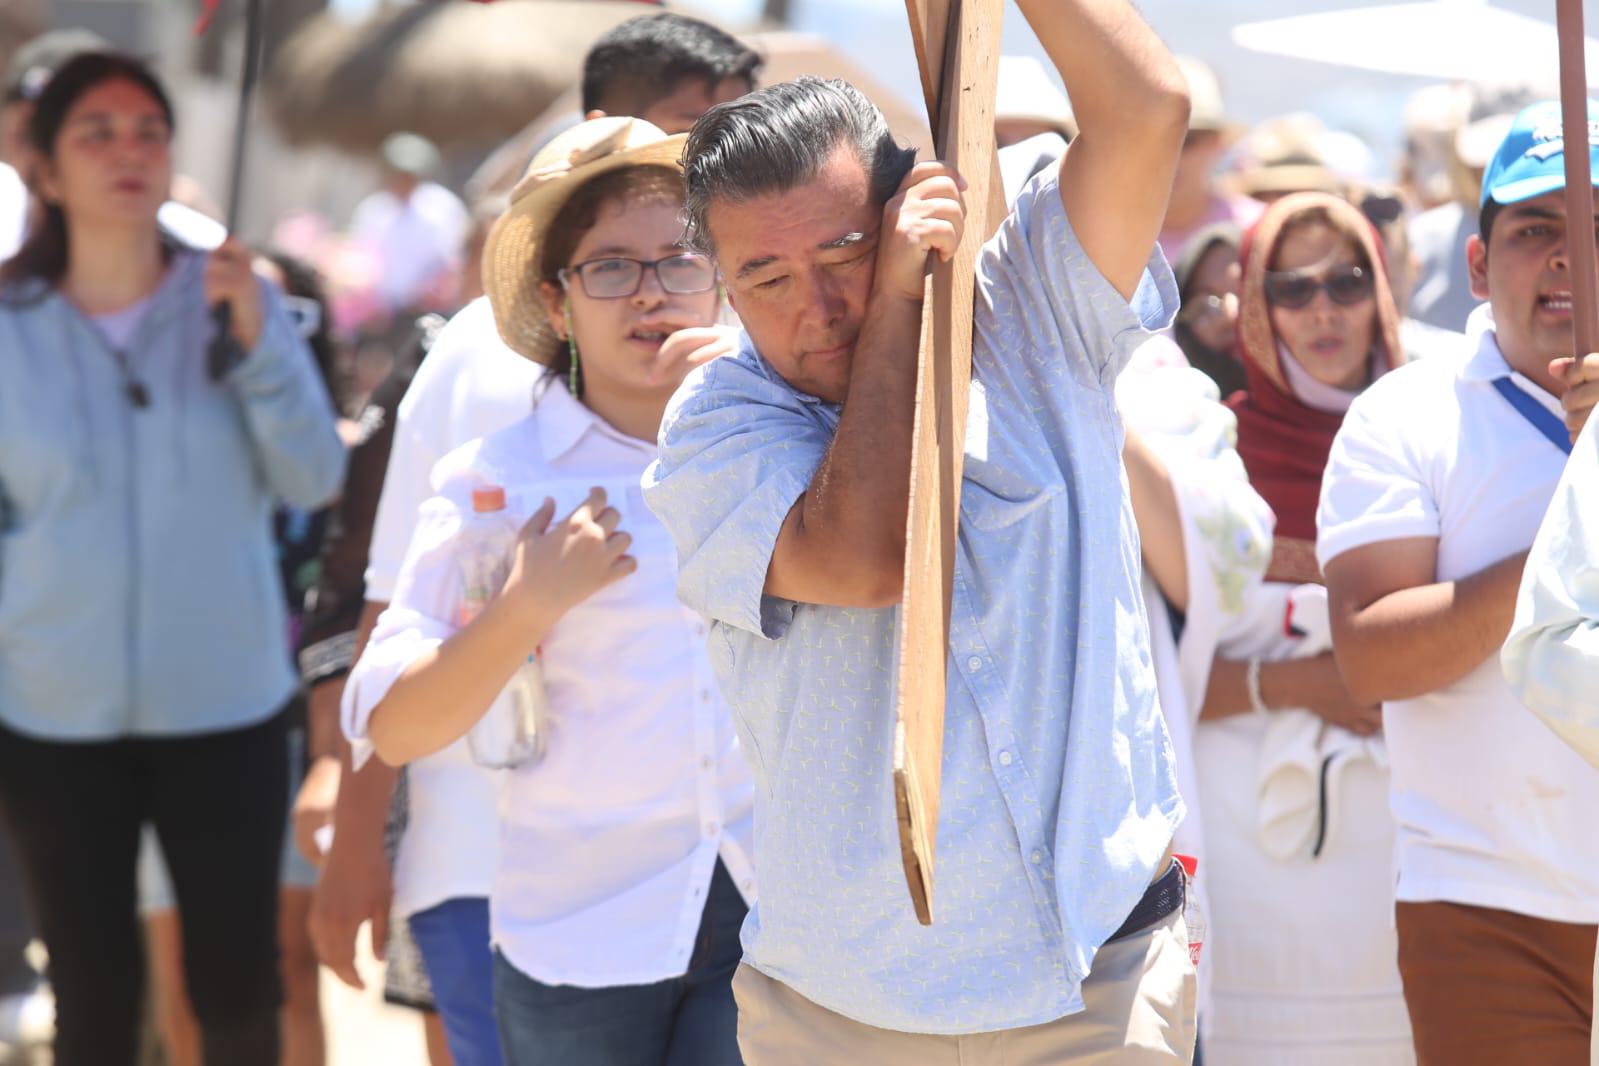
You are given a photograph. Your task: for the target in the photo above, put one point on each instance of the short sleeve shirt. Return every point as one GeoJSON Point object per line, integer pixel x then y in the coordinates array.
{"type": "Point", "coordinates": [1492, 810]}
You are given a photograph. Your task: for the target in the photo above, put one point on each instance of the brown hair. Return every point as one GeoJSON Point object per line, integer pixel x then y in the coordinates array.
{"type": "Point", "coordinates": [43, 255]}
{"type": "Point", "coordinates": [1354, 230]}
{"type": "Point", "coordinates": [628, 185]}
{"type": "Point", "coordinates": [1257, 341]}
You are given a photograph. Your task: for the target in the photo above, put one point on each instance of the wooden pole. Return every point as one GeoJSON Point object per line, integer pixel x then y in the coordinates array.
{"type": "Point", "coordinates": [957, 50]}
{"type": "Point", "coordinates": [1579, 178]}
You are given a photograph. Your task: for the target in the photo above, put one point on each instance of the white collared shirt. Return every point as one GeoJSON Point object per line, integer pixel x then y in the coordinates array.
{"type": "Point", "coordinates": [608, 843]}
{"type": "Point", "coordinates": [470, 385]}
{"type": "Point", "coordinates": [1492, 809]}
{"type": "Point", "coordinates": [1552, 656]}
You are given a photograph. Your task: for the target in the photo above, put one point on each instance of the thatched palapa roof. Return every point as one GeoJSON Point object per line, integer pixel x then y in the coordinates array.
{"type": "Point", "coordinates": [457, 73]}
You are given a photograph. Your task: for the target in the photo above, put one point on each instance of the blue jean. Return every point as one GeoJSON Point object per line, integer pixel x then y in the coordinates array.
{"type": "Point", "coordinates": [453, 938]}
{"type": "Point", "coordinates": [686, 1021]}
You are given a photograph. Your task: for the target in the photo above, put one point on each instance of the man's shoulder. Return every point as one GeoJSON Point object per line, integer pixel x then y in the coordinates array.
{"type": "Point", "coordinates": [732, 381]}
{"type": "Point", "coordinates": [467, 356]}
{"type": "Point", "coordinates": [1412, 396]}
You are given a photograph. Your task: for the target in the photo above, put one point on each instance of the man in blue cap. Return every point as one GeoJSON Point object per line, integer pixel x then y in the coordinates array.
{"type": "Point", "coordinates": [1435, 489]}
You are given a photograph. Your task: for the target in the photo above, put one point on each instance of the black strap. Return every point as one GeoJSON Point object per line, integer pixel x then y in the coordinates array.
{"type": "Point", "coordinates": [1161, 900]}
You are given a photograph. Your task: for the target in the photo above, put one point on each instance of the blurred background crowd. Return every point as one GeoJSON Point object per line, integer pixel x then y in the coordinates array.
{"type": "Point", "coordinates": [387, 140]}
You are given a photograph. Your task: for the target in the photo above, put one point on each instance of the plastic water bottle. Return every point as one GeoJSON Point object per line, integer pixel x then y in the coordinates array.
{"type": "Point", "coordinates": [1192, 918]}
{"type": "Point", "coordinates": [512, 730]}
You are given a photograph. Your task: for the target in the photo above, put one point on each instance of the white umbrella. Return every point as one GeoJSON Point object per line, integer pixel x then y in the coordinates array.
{"type": "Point", "coordinates": [1447, 40]}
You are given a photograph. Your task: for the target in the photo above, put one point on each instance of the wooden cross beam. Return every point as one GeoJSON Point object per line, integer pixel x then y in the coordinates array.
{"type": "Point", "coordinates": [1579, 178]}
{"type": "Point", "coordinates": [957, 49]}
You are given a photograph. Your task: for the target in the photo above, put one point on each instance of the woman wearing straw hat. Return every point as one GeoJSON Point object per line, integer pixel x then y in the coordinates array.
{"type": "Point", "coordinates": [625, 866]}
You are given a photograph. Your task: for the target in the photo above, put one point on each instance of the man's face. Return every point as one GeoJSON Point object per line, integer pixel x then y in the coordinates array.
{"type": "Point", "coordinates": [1523, 271]}
{"type": "Point", "coordinates": [14, 144]}
{"type": "Point", "coordinates": [798, 266]}
{"type": "Point", "coordinates": [677, 111]}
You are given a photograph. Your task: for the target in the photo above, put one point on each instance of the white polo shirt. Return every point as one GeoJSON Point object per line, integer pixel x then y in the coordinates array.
{"type": "Point", "coordinates": [1492, 809]}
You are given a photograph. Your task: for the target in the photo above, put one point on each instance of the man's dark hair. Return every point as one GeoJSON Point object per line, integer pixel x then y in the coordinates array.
{"type": "Point", "coordinates": [1485, 220]}
{"type": "Point", "coordinates": [647, 58]}
{"type": "Point", "coordinates": [779, 138]}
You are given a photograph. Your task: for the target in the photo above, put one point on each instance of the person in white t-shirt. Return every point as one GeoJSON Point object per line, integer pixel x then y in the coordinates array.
{"type": "Point", "coordinates": [1436, 485]}
{"type": "Point", "coordinates": [416, 227]}
{"type": "Point", "coordinates": [1552, 657]}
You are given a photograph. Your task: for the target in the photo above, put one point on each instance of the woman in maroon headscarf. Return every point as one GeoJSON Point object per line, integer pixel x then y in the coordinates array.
{"type": "Point", "coordinates": [1292, 771]}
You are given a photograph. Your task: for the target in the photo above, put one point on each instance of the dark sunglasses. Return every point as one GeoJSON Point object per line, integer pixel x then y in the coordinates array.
{"type": "Point", "coordinates": [614, 276]}
{"type": "Point", "coordinates": [1382, 210]}
{"type": "Point", "coordinates": [1345, 288]}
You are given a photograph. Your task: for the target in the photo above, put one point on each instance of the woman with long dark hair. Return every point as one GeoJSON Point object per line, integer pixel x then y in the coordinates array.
{"type": "Point", "coordinates": [143, 659]}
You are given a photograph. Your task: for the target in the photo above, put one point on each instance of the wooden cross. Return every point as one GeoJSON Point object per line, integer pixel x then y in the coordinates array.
{"type": "Point", "coordinates": [957, 49]}
{"type": "Point", "coordinates": [1579, 178]}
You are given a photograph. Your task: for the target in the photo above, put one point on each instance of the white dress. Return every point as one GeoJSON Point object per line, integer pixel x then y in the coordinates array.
{"type": "Point", "coordinates": [1300, 845]}
{"type": "Point", "coordinates": [1226, 532]}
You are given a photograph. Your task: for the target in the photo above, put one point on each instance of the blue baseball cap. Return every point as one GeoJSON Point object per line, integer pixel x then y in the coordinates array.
{"type": "Point", "coordinates": [1531, 160]}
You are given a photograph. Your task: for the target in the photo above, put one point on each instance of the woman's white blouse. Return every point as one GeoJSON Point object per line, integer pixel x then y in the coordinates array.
{"type": "Point", "coordinates": [608, 843]}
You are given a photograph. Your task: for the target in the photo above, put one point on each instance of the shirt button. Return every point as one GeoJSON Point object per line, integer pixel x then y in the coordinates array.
{"type": "Point", "coordinates": [1005, 758]}
{"type": "Point", "coordinates": [974, 663]}
{"type": "Point", "coordinates": [712, 828]}
{"type": "Point", "coordinates": [1038, 857]}
{"type": "Point", "coordinates": [705, 762]}
{"type": "Point", "coordinates": [747, 886]}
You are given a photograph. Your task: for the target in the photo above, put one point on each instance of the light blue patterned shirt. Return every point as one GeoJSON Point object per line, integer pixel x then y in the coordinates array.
{"type": "Point", "coordinates": [1059, 793]}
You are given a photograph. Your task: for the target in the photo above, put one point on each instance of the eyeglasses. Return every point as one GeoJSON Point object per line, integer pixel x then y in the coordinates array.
{"type": "Point", "coordinates": [1382, 209]}
{"type": "Point", "coordinates": [614, 276]}
{"type": "Point", "coordinates": [1345, 288]}
{"type": "Point", "coordinates": [1199, 308]}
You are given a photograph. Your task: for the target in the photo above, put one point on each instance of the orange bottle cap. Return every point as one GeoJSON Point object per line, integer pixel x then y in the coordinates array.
{"type": "Point", "coordinates": [488, 498]}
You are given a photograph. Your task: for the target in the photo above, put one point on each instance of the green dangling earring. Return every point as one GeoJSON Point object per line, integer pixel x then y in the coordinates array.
{"type": "Point", "coordinates": [574, 373]}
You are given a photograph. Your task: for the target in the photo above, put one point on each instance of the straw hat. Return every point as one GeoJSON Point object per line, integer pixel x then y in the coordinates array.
{"type": "Point", "coordinates": [1025, 94]}
{"type": "Point", "coordinates": [511, 254]}
{"type": "Point", "coordinates": [1206, 111]}
{"type": "Point", "coordinates": [1286, 155]}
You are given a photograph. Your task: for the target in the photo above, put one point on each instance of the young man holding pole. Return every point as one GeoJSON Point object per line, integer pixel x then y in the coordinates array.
{"type": "Point", "coordinates": [1436, 486]}
{"type": "Point", "coordinates": [1057, 934]}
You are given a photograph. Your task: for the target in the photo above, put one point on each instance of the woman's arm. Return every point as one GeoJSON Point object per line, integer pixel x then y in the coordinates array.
{"type": "Point", "coordinates": [1160, 521]}
{"type": "Point", "coordinates": [1313, 684]}
{"type": "Point", "coordinates": [287, 412]}
{"type": "Point", "coordinates": [446, 689]}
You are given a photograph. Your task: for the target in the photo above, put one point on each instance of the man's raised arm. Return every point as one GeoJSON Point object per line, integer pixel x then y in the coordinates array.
{"type": "Point", "coordinates": [1131, 104]}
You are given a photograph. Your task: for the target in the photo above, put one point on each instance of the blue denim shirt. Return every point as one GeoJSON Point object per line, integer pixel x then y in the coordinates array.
{"type": "Point", "coordinates": [139, 588]}
{"type": "Point", "coordinates": [1059, 792]}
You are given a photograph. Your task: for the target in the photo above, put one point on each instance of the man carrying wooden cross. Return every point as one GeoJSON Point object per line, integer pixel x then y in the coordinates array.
{"type": "Point", "coordinates": [782, 477]}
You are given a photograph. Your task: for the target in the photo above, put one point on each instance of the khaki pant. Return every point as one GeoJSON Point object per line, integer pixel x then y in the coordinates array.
{"type": "Point", "coordinates": [1492, 988]}
{"type": "Point", "coordinates": [1139, 1008]}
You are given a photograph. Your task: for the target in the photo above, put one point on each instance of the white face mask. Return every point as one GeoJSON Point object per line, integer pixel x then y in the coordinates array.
{"type": "Point", "coordinates": [1321, 396]}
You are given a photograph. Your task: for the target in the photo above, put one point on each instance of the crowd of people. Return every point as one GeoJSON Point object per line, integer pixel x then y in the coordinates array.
{"type": "Point", "coordinates": [523, 590]}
